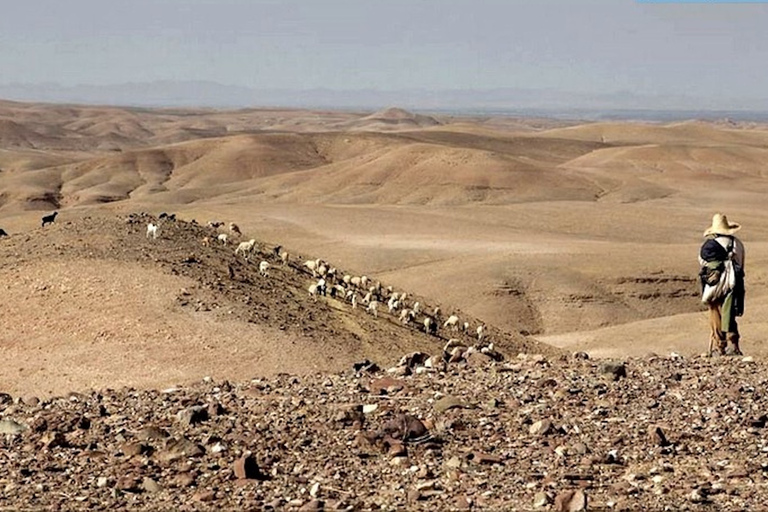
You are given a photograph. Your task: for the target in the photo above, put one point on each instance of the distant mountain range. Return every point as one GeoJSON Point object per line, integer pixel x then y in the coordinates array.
{"type": "Point", "coordinates": [491, 101]}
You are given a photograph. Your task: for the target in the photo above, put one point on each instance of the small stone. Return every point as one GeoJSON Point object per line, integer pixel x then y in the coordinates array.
{"type": "Point", "coordinates": [186, 479]}
{"type": "Point", "coordinates": [102, 481]}
{"type": "Point", "coordinates": [448, 402]}
{"type": "Point", "coordinates": [152, 433]}
{"type": "Point", "coordinates": [399, 461]}
{"type": "Point", "coordinates": [386, 385]}
{"type": "Point", "coordinates": [11, 427]}
{"type": "Point", "coordinates": [541, 428]}
{"type": "Point", "coordinates": [396, 449]}
{"type": "Point", "coordinates": [571, 501]}
{"type": "Point", "coordinates": [477, 359]}
{"type": "Point", "coordinates": [454, 463]}
{"type": "Point", "coordinates": [215, 409]}
{"type": "Point", "coordinates": [369, 408]}
{"type": "Point", "coordinates": [350, 415]}
{"type": "Point", "coordinates": [246, 467]}
{"type": "Point", "coordinates": [657, 437]}
{"type": "Point", "coordinates": [53, 439]}
{"type": "Point", "coordinates": [31, 401]}
{"type": "Point", "coordinates": [150, 485]}
{"type": "Point", "coordinates": [192, 415]}
{"type": "Point", "coordinates": [204, 496]}
{"type": "Point", "coordinates": [483, 458]}
{"type": "Point", "coordinates": [128, 483]}
{"type": "Point", "coordinates": [613, 370]}
{"type": "Point", "coordinates": [540, 500]}
{"type": "Point", "coordinates": [463, 503]}
{"type": "Point", "coordinates": [132, 449]}
{"type": "Point", "coordinates": [312, 506]}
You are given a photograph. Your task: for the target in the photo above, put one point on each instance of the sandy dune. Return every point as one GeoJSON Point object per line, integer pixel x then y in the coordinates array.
{"type": "Point", "coordinates": [582, 236]}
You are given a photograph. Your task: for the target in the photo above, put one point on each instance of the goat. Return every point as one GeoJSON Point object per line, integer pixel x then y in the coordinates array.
{"type": "Point", "coordinates": [453, 322]}
{"type": "Point", "coordinates": [215, 224]}
{"type": "Point", "coordinates": [284, 257]}
{"type": "Point", "coordinates": [152, 230]}
{"type": "Point", "coordinates": [318, 288]}
{"type": "Point", "coordinates": [312, 265]}
{"type": "Point", "coordinates": [263, 266]}
{"type": "Point", "coordinates": [48, 219]}
{"type": "Point", "coordinates": [430, 326]}
{"type": "Point", "coordinates": [169, 216]}
{"type": "Point", "coordinates": [3, 233]}
{"type": "Point", "coordinates": [245, 248]}
{"type": "Point", "coordinates": [222, 238]}
{"type": "Point", "coordinates": [235, 229]}
{"type": "Point", "coordinates": [373, 308]}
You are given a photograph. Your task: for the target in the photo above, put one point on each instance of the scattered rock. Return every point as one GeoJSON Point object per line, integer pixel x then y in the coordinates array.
{"type": "Point", "coordinates": [571, 501]}
{"type": "Point", "coordinates": [246, 468]}
{"type": "Point", "coordinates": [11, 427]}
{"type": "Point", "coordinates": [541, 428]}
{"type": "Point", "coordinates": [448, 402]}
{"type": "Point", "coordinates": [613, 370]}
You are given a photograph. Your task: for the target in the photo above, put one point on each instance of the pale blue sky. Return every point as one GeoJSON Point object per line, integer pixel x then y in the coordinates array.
{"type": "Point", "coordinates": [708, 50]}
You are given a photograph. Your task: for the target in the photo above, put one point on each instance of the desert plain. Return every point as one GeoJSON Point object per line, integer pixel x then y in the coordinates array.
{"type": "Point", "coordinates": [560, 237]}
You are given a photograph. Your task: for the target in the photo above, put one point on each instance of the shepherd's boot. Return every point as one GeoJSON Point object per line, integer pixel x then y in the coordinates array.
{"type": "Point", "coordinates": [733, 344]}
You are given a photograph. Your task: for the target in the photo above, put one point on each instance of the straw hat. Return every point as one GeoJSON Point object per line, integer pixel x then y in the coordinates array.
{"type": "Point", "coordinates": [721, 226]}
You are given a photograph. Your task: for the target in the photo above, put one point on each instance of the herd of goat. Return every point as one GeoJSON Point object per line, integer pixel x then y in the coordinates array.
{"type": "Point", "coordinates": [327, 281]}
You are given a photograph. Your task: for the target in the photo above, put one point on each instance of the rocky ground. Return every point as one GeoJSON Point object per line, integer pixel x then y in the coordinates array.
{"type": "Point", "coordinates": [529, 432]}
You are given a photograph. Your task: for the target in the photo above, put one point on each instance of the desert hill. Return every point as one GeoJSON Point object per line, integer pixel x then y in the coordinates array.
{"type": "Point", "coordinates": [97, 303]}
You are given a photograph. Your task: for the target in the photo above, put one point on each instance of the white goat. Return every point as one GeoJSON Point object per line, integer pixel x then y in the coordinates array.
{"type": "Point", "coordinates": [430, 326]}
{"type": "Point", "coordinates": [222, 238]}
{"type": "Point", "coordinates": [318, 288]}
{"type": "Point", "coordinates": [152, 230]}
{"type": "Point", "coordinates": [245, 248]}
{"type": "Point", "coordinates": [312, 265]}
{"type": "Point", "coordinates": [452, 322]}
{"type": "Point", "coordinates": [263, 267]}
{"type": "Point", "coordinates": [373, 308]}
{"type": "Point", "coordinates": [284, 257]}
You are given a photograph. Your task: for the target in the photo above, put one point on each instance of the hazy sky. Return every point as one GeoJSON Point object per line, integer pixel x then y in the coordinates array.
{"type": "Point", "coordinates": [705, 49]}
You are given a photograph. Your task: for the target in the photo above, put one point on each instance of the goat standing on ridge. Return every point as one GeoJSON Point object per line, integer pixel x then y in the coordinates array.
{"type": "Point", "coordinates": [48, 219]}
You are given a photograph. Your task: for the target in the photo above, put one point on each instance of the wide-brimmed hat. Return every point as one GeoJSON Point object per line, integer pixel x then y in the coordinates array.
{"type": "Point", "coordinates": [721, 226]}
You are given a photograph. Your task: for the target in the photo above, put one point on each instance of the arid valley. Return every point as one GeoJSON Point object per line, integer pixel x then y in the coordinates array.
{"type": "Point", "coordinates": [574, 245]}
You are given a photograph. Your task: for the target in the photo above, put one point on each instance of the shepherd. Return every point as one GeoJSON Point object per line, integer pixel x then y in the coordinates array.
{"type": "Point", "coordinates": [722, 282]}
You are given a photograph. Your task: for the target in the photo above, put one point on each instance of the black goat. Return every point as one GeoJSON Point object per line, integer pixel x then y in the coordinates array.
{"type": "Point", "coordinates": [48, 219]}
{"type": "Point", "coordinates": [169, 216]}
{"type": "Point", "coordinates": [3, 232]}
